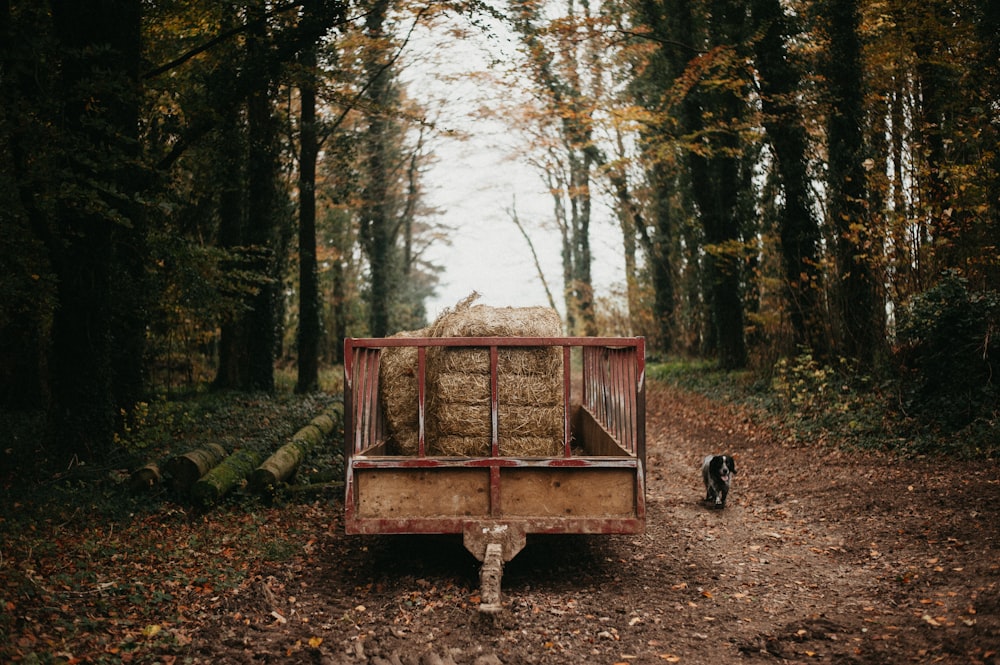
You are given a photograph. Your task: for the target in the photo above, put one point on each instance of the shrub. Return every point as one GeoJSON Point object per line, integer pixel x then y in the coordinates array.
{"type": "Point", "coordinates": [948, 351]}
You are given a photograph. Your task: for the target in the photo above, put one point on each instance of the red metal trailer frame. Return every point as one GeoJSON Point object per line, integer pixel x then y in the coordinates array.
{"type": "Point", "coordinates": [496, 500]}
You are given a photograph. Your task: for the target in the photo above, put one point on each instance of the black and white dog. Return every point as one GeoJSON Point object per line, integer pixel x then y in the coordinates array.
{"type": "Point", "coordinates": [717, 472]}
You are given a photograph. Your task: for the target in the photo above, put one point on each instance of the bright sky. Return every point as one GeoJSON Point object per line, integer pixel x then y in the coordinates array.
{"type": "Point", "coordinates": [475, 183]}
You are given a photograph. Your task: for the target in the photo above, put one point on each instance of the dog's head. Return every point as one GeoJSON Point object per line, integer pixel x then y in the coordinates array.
{"type": "Point", "coordinates": [723, 467]}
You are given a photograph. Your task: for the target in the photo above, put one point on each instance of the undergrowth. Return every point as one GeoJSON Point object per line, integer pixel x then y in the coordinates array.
{"type": "Point", "coordinates": [822, 404]}
{"type": "Point", "coordinates": [93, 572]}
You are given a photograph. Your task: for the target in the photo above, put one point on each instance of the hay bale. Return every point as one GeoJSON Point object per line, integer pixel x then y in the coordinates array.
{"type": "Point", "coordinates": [468, 320]}
{"type": "Point", "coordinates": [398, 394]}
{"type": "Point", "coordinates": [519, 361]}
{"type": "Point", "coordinates": [513, 388]}
{"type": "Point", "coordinates": [530, 389]}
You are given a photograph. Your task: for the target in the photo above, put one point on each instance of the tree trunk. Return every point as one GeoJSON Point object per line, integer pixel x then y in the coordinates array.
{"type": "Point", "coordinates": [630, 219]}
{"type": "Point", "coordinates": [262, 172]}
{"type": "Point", "coordinates": [232, 369]}
{"type": "Point", "coordinates": [280, 466]}
{"type": "Point", "coordinates": [96, 353]}
{"type": "Point", "coordinates": [989, 32]}
{"type": "Point", "coordinates": [559, 81]}
{"type": "Point", "coordinates": [862, 324]}
{"type": "Point", "coordinates": [376, 233]}
{"type": "Point", "coordinates": [717, 181]}
{"type": "Point", "coordinates": [145, 478]}
{"type": "Point", "coordinates": [799, 229]}
{"type": "Point", "coordinates": [309, 309]}
{"type": "Point", "coordinates": [229, 473]}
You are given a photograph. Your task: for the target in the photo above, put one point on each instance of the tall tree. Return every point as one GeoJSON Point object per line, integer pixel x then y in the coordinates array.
{"type": "Point", "coordinates": [988, 21]}
{"type": "Point", "coordinates": [780, 81]}
{"type": "Point", "coordinates": [713, 116]}
{"type": "Point", "coordinates": [662, 53]}
{"type": "Point", "coordinates": [567, 78]}
{"type": "Point", "coordinates": [376, 214]}
{"type": "Point", "coordinates": [97, 245]}
{"type": "Point", "coordinates": [309, 307]}
{"type": "Point", "coordinates": [862, 323]}
{"type": "Point", "coordinates": [27, 163]}
{"type": "Point", "coordinates": [262, 205]}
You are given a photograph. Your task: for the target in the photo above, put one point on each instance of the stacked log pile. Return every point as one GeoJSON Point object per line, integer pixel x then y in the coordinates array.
{"type": "Point", "coordinates": [209, 473]}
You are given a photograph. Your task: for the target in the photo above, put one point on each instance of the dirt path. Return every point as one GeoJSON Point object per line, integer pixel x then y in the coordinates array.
{"type": "Point", "coordinates": [821, 556]}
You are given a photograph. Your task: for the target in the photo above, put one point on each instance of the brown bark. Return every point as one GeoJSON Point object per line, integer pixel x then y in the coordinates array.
{"type": "Point", "coordinates": [145, 478]}
{"type": "Point", "coordinates": [185, 470]}
{"type": "Point", "coordinates": [282, 464]}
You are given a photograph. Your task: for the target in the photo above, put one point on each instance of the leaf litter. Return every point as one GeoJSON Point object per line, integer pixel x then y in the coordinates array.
{"type": "Point", "coordinates": [822, 554]}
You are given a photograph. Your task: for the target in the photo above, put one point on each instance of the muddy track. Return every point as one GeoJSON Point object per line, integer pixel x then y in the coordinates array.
{"type": "Point", "coordinates": [820, 556]}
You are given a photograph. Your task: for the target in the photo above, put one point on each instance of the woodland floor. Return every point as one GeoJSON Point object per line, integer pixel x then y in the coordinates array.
{"type": "Point", "coordinates": [822, 555]}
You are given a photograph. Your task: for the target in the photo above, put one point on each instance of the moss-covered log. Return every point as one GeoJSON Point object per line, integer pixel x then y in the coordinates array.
{"type": "Point", "coordinates": [280, 466]}
{"type": "Point", "coordinates": [145, 478]}
{"type": "Point", "coordinates": [229, 473]}
{"type": "Point", "coordinates": [330, 420]}
{"type": "Point", "coordinates": [185, 470]}
{"type": "Point", "coordinates": [283, 463]}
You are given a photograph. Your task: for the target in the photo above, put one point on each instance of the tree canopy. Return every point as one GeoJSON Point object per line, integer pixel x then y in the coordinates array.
{"type": "Point", "coordinates": [201, 191]}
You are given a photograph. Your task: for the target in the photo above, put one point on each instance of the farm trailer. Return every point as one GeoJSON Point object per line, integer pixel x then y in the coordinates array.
{"type": "Point", "coordinates": [594, 485]}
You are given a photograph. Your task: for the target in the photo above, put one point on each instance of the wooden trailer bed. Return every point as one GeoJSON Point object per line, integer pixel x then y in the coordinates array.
{"type": "Point", "coordinates": [595, 485]}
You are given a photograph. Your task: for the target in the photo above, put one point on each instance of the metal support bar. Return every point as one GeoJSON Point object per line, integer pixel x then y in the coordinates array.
{"type": "Point", "coordinates": [489, 580]}
{"type": "Point", "coordinates": [493, 544]}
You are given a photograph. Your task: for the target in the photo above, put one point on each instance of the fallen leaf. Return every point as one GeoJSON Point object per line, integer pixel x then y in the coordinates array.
{"type": "Point", "coordinates": [315, 641]}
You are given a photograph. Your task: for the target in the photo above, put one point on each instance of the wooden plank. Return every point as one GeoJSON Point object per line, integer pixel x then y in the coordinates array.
{"type": "Point", "coordinates": [593, 438]}
{"type": "Point", "coordinates": [581, 492]}
{"type": "Point", "coordinates": [416, 493]}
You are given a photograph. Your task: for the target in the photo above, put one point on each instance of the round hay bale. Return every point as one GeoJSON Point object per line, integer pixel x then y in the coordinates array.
{"type": "Point", "coordinates": [530, 391]}
{"type": "Point", "coordinates": [398, 393]}
{"type": "Point", "coordinates": [530, 388]}
{"type": "Point", "coordinates": [538, 361]}
{"type": "Point", "coordinates": [516, 389]}
{"type": "Point", "coordinates": [529, 382]}
{"type": "Point", "coordinates": [472, 421]}
{"type": "Point", "coordinates": [485, 321]}
{"type": "Point", "coordinates": [468, 420]}
{"type": "Point", "coordinates": [522, 360]}
{"type": "Point", "coordinates": [529, 421]}
{"type": "Point", "coordinates": [463, 387]}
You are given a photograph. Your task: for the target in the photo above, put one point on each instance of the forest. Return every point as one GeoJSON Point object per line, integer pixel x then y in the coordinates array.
{"type": "Point", "coordinates": [199, 192]}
